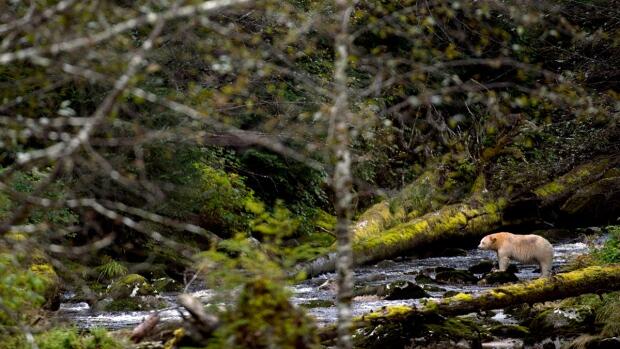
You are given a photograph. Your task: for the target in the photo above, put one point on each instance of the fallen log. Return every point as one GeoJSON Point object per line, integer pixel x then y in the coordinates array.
{"type": "Point", "coordinates": [595, 279]}
{"type": "Point", "coordinates": [145, 328]}
{"type": "Point", "coordinates": [203, 322]}
{"type": "Point", "coordinates": [473, 218]}
{"type": "Point", "coordinates": [377, 236]}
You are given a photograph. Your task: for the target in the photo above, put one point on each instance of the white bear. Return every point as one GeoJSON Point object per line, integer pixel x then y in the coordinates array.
{"type": "Point", "coordinates": [526, 249]}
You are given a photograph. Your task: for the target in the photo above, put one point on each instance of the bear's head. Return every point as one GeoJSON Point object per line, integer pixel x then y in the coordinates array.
{"type": "Point", "coordinates": [488, 242]}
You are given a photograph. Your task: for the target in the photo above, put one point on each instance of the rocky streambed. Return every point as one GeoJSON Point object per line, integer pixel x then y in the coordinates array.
{"type": "Point", "coordinates": [317, 294]}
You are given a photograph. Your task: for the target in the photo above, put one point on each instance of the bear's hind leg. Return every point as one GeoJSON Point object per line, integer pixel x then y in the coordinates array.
{"type": "Point", "coordinates": [545, 269]}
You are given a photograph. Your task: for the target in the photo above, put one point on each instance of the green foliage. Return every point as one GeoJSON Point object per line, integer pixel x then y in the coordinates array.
{"type": "Point", "coordinates": [608, 315]}
{"type": "Point", "coordinates": [610, 252]}
{"type": "Point", "coordinates": [222, 197]}
{"type": "Point", "coordinates": [264, 318]}
{"type": "Point", "coordinates": [111, 269]}
{"type": "Point", "coordinates": [20, 290]}
{"type": "Point", "coordinates": [25, 182]}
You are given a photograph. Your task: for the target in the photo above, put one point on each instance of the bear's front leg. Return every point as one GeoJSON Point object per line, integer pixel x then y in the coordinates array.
{"type": "Point", "coordinates": [504, 262]}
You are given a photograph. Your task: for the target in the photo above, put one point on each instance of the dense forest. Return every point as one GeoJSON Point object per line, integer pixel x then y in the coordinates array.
{"type": "Point", "coordinates": [306, 174]}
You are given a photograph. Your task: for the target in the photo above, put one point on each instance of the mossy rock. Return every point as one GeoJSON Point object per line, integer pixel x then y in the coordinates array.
{"type": "Point", "coordinates": [457, 328]}
{"type": "Point", "coordinates": [130, 286]}
{"type": "Point", "coordinates": [404, 290]}
{"type": "Point", "coordinates": [166, 284]}
{"type": "Point", "coordinates": [433, 288]}
{"type": "Point", "coordinates": [498, 277]}
{"type": "Point", "coordinates": [442, 269]}
{"type": "Point", "coordinates": [456, 277]}
{"type": "Point", "coordinates": [563, 321]}
{"type": "Point", "coordinates": [51, 284]}
{"type": "Point", "coordinates": [317, 303]}
{"type": "Point", "coordinates": [450, 293]}
{"type": "Point", "coordinates": [483, 267]}
{"type": "Point", "coordinates": [424, 279]}
{"type": "Point", "coordinates": [134, 304]}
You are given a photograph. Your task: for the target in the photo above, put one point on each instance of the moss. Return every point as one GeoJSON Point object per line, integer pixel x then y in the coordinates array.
{"type": "Point", "coordinates": [391, 312]}
{"type": "Point", "coordinates": [178, 335]}
{"type": "Point", "coordinates": [456, 328]}
{"type": "Point", "coordinates": [263, 317]}
{"type": "Point", "coordinates": [66, 338]}
{"type": "Point", "coordinates": [135, 303]}
{"type": "Point", "coordinates": [575, 178]}
{"type": "Point", "coordinates": [318, 303]}
{"type": "Point", "coordinates": [129, 286]}
{"type": "Point", "coordinates": [166, 284]}
{"type": "Point", "coordinates": [51, 284]}
{"type": "Point", "coordinates": [462, 297]}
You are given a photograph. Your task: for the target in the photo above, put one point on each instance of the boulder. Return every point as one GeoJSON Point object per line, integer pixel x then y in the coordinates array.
{"type": "Point", "coordinates": [498, 277]}
{"type": "Point", "coordinates": [456, 276]}
{"type": "Point", "coordinates": [404, 290]}
{"type": "Point", "coordinates": [130, 286]}
{"type": "Point", "coordinates": [483, 267]}
{"type": "Point", "coordinates": [424, 279]}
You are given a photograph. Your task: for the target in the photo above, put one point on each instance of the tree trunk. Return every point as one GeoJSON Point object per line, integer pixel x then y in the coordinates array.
{"type": "Point", "coordinates": [339, 141]}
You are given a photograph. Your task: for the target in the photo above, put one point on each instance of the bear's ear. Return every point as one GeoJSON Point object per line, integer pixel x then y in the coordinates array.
{"type": "Point", "coordinates": [493, 239]}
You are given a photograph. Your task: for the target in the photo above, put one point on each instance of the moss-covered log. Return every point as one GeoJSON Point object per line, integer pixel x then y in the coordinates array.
{"type": "Point", "coordinates": [595, 279]}
{"type": "Point", "coordinates": [472, 218]}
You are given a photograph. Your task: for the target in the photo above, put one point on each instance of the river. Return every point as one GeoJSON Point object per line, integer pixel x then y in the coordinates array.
{"type": "Point", "coordinates": [403, 268]}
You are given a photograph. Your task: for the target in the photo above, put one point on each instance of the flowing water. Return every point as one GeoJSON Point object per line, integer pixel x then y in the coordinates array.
{"type": "Point", "coordinates": [311, 290]}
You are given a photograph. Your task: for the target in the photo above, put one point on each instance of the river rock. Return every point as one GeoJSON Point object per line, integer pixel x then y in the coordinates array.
{"type": "Point", "coordinates": [166, 284]}
{"type": "Point", "coordinates": [498, 277]}
{"type": "Point", "coordinates": [424, 279]}
{"type": "Point", "coordinates": [404, 290]}
{"type": "Point", "coordinates": [130, 286]}
{"type": "Point", "coordinates": [443, 269]}
{"type": "Point", "coordinates": [433, 288]}
{"type": "Point", "coordinates": [450, 293]}
{"type": "Point", "coordinates": [395, 290]}
{"type": "Point", "coordinates": [483, 267]}
{"type": "Point", "coordinates": [572, 320]}
{"type": "Point", "coordinates": [457, 276]}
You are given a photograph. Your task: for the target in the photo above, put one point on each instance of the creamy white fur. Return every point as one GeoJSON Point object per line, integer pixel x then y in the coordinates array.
{"type": "Point", "coordinates": [528, 249]}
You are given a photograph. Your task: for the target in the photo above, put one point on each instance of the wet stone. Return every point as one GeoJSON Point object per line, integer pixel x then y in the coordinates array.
{"type": "Point", "coordinates": [433, 288]}
{"type": "Point", "coordinates": [317, 303]}
{"type": "Point", "coordinates": [424, 279]}
{"type": "Point", "coordinates": [443, 269]}
{"type": "Point", "coordinates": [498, 277]}
{"type": "Point", "coordinates": [482, 267]}
{"type": "Point", "coordinates": [404, 290]}
{"type": "Point", "coordinates": [450, 293]}
{"type": "Point", "coordinates": [456, 277]}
